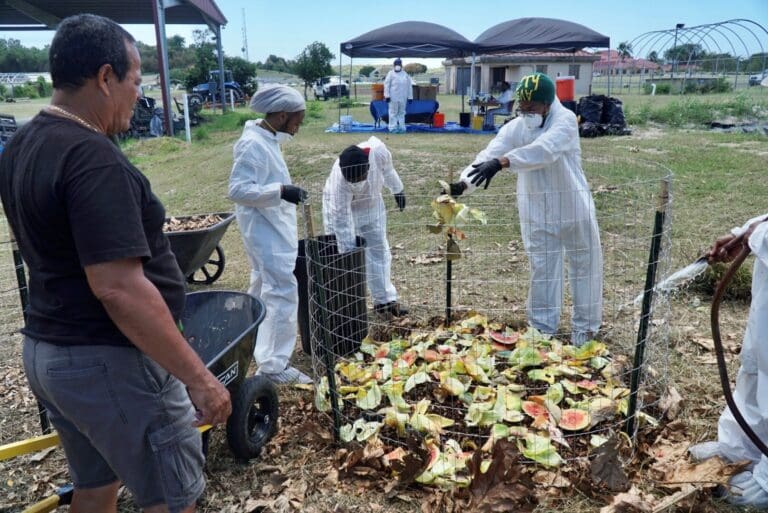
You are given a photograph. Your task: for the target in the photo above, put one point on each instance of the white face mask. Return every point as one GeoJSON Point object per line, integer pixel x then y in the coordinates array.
{"type": "Point", "coordinates": [398, 68]}
{"type": "Point", "coordinates": [532, 121]}
{"type": "Point", "coordinates": [283, 137]}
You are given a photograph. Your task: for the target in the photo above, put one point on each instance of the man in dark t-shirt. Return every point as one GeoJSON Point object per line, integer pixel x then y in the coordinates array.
{"type": "Point", "coordinates": [102, 351]}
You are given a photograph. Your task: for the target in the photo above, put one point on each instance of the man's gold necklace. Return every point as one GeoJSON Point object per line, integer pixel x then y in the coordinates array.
{"type": "Point", "coordinates": [73, 117]}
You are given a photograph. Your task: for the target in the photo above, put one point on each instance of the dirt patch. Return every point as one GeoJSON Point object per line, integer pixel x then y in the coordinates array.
{"type": "Point", "coordinates": [645, 133]}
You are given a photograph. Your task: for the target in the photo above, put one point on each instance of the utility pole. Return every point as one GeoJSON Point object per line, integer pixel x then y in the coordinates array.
{"type": "Point", "coordinates": [244, 49]}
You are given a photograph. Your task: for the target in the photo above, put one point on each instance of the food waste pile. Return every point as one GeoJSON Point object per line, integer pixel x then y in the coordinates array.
{"type": "Point", "coordinates": [461, 389]}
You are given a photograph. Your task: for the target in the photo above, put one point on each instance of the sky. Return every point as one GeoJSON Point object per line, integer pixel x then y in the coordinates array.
{"type": "Point", "coordinates": [285, 27]}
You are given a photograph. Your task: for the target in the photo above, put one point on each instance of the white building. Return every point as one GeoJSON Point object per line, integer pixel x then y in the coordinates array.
{"type": "Point", "coordinates": [492, 69]}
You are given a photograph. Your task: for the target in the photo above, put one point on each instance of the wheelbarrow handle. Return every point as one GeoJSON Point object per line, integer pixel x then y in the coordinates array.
{"type": "Point", "coordinates": [62, 496]}
{"type": "Point", "coordinates": [44, 506]}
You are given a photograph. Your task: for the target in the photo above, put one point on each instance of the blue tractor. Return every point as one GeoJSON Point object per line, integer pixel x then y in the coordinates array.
{"type": "Point", "coordinates": [209, 91]}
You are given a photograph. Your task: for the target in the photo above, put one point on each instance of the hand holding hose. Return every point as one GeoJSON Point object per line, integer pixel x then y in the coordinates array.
{"type": "Point", "coordinates": [728, 246]}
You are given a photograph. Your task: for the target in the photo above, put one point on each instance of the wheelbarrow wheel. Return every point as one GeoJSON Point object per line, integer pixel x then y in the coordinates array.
{"type": "Point", "coordinates": [211, 270]}
{"type": "Point", "coordinates": [253, 421]}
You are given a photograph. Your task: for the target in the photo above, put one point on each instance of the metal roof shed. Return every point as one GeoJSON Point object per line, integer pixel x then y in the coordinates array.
{"type": "Point", "coordinates": [46, 15]}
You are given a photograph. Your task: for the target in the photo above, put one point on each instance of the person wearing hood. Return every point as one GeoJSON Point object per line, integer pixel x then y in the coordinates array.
{"type": "Point", "coordinates": [398, 92]}
{"type": "Point", "coordinates": [352, 206]}
{"type": "Point", "coordinates": [750, 487]}
{"type": "Point", "coordinates": [557, 212]}
{"type": "Point", "coordinates": [265, 206]}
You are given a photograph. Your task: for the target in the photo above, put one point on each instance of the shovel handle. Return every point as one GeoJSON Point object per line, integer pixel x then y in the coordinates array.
{"type": "Point", "coordinates": [309, 220]}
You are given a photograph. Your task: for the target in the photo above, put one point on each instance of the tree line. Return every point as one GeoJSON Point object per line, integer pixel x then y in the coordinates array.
{"type": "Point", "coordinates": [189, 64]}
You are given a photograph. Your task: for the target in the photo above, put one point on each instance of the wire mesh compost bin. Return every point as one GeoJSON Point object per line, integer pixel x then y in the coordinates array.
{"type": "Point", "coordinates": [332, 288]}
{"type": "Point", "coordinates": [463, 369]}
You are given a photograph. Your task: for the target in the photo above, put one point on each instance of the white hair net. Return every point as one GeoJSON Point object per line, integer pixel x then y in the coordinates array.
{"type": "Point", "coordinates": [278, 98]}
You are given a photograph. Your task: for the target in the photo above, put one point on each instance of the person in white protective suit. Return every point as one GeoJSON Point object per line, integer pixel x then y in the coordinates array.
{"type": "Point", "coordinates": [749, 488]}
{"type": "Point", "coordinates": [398, 92]}
{"type": "Point", "coordinates": [352, 206]}
{"type": "Point", "coordinates": [557, 212]}
{"type": "Point", "coordinates": [265, 206]}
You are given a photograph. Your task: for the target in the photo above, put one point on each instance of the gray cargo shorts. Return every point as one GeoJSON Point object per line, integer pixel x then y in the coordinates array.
{"type": "Point", "coordinates": [119, 416]}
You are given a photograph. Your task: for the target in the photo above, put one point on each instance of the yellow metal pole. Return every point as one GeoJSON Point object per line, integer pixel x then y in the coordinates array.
{"type": "Point", "coordinates": [35, 444]}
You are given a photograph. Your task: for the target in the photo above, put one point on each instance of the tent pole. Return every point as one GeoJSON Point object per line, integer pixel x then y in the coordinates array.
{"type": "Point", "coordinates": [338, 90]}
{"type": "Point", "coordinates": [162, 56]}
{"type": "Point", "coordinates": [472, 79]}
{"type": "Point", "coordinates": [349, 97]}
{"type": "Point", "coordinates": [222, 78]}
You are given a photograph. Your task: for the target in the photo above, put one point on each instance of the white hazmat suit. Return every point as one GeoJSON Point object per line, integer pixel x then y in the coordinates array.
{"type": "Point", "coordinates": [398, 87]}
{"type": "Point", "coordinates": [351, 209]}
{"type": "Point", "coordinates": [751, 392]}
{"type": "Point", "coordinates": [268, 227]}
{"type": "Point", "coordinates": [557, 214]}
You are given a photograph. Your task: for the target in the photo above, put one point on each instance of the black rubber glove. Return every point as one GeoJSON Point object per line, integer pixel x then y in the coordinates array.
{"type": "Point", "coordinates": [293, 194]}
{"type": "Point", "coordinates": [400, 200]}
{"type": "Point", "coordinates": [410, 101]}
{"type": "Point", "coordinates": [386, 100]}
{"type": "Point", "coordinates": [484, 171]}
{"type": "Point", "coordinates": [457, 189]}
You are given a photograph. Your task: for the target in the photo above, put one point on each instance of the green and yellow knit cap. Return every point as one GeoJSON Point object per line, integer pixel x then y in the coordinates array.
{"type": "Point", "coordinates": [536, 87]}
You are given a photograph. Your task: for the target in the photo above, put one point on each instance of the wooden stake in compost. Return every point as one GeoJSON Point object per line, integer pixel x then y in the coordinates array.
{"type": "Point", "coordinates": [645, 315]}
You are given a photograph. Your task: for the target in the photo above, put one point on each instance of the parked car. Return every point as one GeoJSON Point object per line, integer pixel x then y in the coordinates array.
{"type": "Point", "coordinates": [328, 87]}
{"type": "Point", "coordinates": [756, 79]}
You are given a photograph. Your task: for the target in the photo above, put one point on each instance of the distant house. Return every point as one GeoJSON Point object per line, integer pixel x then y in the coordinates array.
{"type": "Point", "coordinates": [493, 69]}
{"type": "Point", "coordinates": [610, 63]}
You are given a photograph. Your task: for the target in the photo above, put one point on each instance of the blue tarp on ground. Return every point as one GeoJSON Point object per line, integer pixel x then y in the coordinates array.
{"type": "Point", "coordinates": [451, 127]}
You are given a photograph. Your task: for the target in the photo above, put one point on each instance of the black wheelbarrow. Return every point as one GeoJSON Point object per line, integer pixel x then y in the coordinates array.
{"type": "Point", "coordinates": [198, 252]}
{"type": "Point", "coordinates": [221, 326]}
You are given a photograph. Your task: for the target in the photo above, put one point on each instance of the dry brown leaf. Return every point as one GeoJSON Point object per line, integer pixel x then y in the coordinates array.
{"type": "Point", "coordinates": [40, 456]}
{"type": "Point", "coordinates": [426, 259]}
{"type": "Point", "coordinates": [633, 501]}
{"type": "Point", "coordinates": [671, 403]}
{"type": "Point", "coordinates": [730, 343]}
{"type": "Point", "coordinates": [413, 463]}
{"type": "Point", "coordinates": [707, 359]}
{"type": "Point", "coordinates": [606, 469]}
{"type": "Point", "coordinates": [551, 479]}
{"type": "Point", "coordinates": [253, 504]}
{"type": "Point", "coordinates": [666, 455]}
{"type": "Point", "coordinates": [685, 492]}
{"type": "Point", "coordinates": [705, 343]}
{"type": "Point", "coordinates": [708, 473]}
{"type": "Point", "coordinates": [503, 486]}
{"type": "Point", "coordinates": [441, 502]}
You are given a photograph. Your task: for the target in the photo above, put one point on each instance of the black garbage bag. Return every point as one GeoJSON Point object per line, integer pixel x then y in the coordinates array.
{"type": "Point", "coordinates": [617, 130]}
{"type": "Point", "coordinates": [590, 108]}
{"type": "Point", "coordinates": [590, 129]}
{"type": "Point", "coordinates": [613, 112]}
